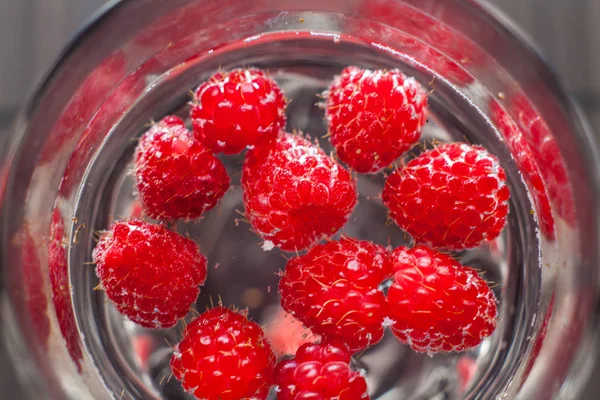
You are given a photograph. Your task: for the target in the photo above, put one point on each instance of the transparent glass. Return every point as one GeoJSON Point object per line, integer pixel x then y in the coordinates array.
{"type": "Point", "coordinates": [66, 176]}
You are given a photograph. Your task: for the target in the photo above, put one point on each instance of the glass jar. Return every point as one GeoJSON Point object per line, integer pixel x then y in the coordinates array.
{"type": "Point", "coordinates": [66, 176]}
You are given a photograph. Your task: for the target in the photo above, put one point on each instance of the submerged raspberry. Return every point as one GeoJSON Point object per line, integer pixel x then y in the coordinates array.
{"type": "Point", "coordinates": [320, 371]}
{"type": "Point", "coordinates": [454, 197]}
{"type": "Point", "coordinates": [334, 290]}
{"type": "Point", "coordinates": [177, 176]}
{"type": "Point", "coordinates": [374, 116]}
{"type": "Point", "coordinates": [223, 356]}
{"type": "Point", "coordinates": [238, 109]}
{"type": "Point", "coordinates": [150, 273]}
{"type": "Point", "coordinates": [295, 194]}
{"type": "Point", "coordinates": [286, 333]}
{"type": "Point", "coordinates": [437, 304]}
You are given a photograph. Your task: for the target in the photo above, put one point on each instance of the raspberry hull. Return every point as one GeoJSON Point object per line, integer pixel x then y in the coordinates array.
{"type": "Point", "coordinates": [334, 290]}
{"type": "Point", "coordinates": [239, 109]}
{"type": "Point", "coordinates": [320, 371]}
{"type": "Point", "coordinates": [150, 273]}
{"type": "Point", "coordinates": [453, 197]}
{"type": "Point", "coordinates": [223, 356]}
{"type": "Point", "coordinates": [374, 116]}
{"type": "Point", "coordinates": [177, 176]}
{"type": "Point", "coordinates": [437, 304]}
{"type": "Point", "coordinates": [294, 194]}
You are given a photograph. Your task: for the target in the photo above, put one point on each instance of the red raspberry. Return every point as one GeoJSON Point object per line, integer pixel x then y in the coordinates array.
{"type": "Point", "coordinates": [238, 109]}
{"type": "Point", "coordinates": [334, 290]}
{"type": "Point", "coordinates": [223, 356]}
{"type": "Point", "coordinates": [437, 304]}
{"type": "Point", "coordinates": [374, 116]}
{"type": "Point", "coordinates": [286, 334]}
{"type": "Point", "coordinates": [151, 273]}
{"type": "Point", "coordinates": [320, 372]}
{"type": "Point", "coordinates": [454, 196]}
{"type": "Point", "coordinates": [295, 194]}
{"type": "Point", "coordinates": [177, 176]}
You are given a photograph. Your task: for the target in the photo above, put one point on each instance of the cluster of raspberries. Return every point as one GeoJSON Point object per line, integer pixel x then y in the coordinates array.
{"type": "Point", "coordinates": [296, 197]}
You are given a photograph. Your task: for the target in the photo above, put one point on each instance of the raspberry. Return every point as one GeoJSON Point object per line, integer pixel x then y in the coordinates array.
{"type": "Point", "coordinates": [295, 194]}
{"type": "Point", "coordinates": [334, 290]}
{"type": "Point", "coordinates": [150, 273]}
{"type": "Point", "coordinates": [319, 371]}
{"type": "Point", "coordinates": [238, 109]}
{"type": "Point", "coordinates": [177, 176]}
{"type": "Point", "coordinates": [286, 334]}
{"type": "Point", "coordinates": [454, 196]}
{"type": "Point", "coordinates": [523, 156]}
{"type": "Point", "coordinates": [437, 304]}
{"type": "Point", "coordinates": [223, 356]}
{"type": "Point", "coordinates": [374, 116]}
{"type": "Point", "coordinates": [466, 368]}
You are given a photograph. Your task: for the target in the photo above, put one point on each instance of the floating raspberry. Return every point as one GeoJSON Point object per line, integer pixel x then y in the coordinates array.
{"type": "Point", "coordinates": [374, 116]}
{"type": "Point", "coordinates": [150, 273]}
{"type": "Point", "coordinates": [295, 194]}
{"type": "Point", "coordinates": [223, 356]}
{"type": "Point", "coordinates": [177, 176]}
{"type": "Point", "coordinates": [334, 290]}
{"type": "Point", "coordinates": [238, 109]}
{"type": "Point", "coordinates": [437, 304]}
{"type": "Point", "coordinates": [454, 197]}
{"type": "Point", "coordinates": [320, 371]}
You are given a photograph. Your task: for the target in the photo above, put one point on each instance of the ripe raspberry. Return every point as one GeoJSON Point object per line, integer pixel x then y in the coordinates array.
{"type": "Point", "coordinates": [320, 371]}
{"type": "Point", "coordinates": [286, 334]}
{"type": "Point", "coordinates": [150, 273]}
{"type": "Point", "coordinates": [223, 356]}
{"type": "Point", "coordinates": [295, 194]}
{"type": "Point", "coordinates": [238, 109]}
{"type": "Point", "coordinates": [437, 304]}
{"type": "Point", "coordinates": [454, 197]}
{"type": "Point", "coordinates": [177, 176]}
{"type": "Point", "coordinates": [334, 290]}
{"type": "Point", "coordinates": [374, 116]}
{"type": "Point", "coordinates": [525, 160]}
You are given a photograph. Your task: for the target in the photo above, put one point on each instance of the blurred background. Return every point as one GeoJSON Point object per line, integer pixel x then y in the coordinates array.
{"type": "Point", "coordinates": [32, 33]}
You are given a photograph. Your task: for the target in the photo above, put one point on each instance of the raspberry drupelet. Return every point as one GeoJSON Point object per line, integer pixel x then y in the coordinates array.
{"type": "Point", "coordinates": [149, 272]}
{"type": "Point", "coordinates": [177, 177]}
{"type": "Point", "coordinates": [437, 304]}
{"type": "Point", "coordinates": [294, 194]}
{"type": "Point", "coordinates": [334, 290]}
{"type": "Point", "coordinates": [453, 197]}
{"type": "Point", "coordinates": [238, 109]}
{"type": "Point", "coordinates": [374, 116]}
{"type": "Point", "coordinates": [224, 356]}
{"type": "Point", "coordinates": [320, 371]}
